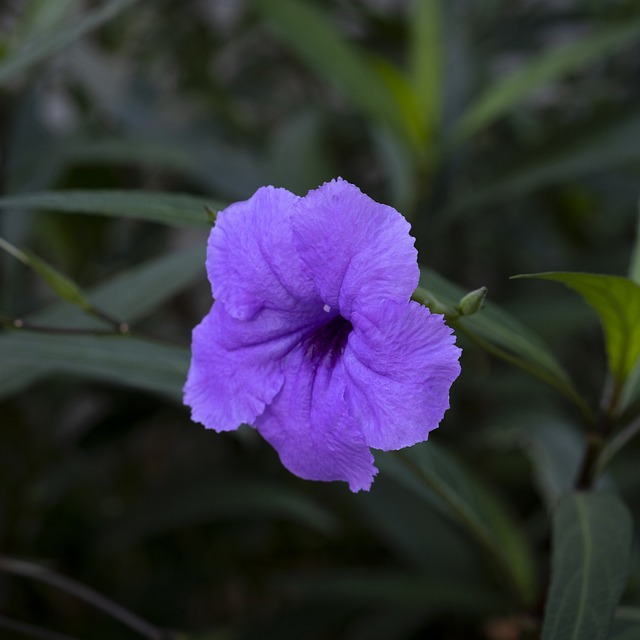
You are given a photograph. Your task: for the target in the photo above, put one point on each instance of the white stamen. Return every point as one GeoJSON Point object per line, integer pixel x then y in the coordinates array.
{"type": "Point", "coordinates": [326, 308]}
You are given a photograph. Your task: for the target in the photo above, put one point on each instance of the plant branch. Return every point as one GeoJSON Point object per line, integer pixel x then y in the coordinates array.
{"type": "Point", "coordinates": [597, 438]}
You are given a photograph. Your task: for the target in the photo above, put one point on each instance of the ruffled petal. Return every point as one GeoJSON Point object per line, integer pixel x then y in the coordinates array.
{"type": "Point", "coordinates": [356, 250]}
{"type": "Point", "coordinates": [310, 427]}
{"type": "Point", "coordinates": [236, 365]}
{"type": "Point", "coordinates": [401, 361]}
{"type": "Point", "coordinates": [251, 259]}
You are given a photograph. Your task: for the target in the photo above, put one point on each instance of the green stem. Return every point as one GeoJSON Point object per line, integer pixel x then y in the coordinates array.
{"type": "Point", "coordinates": [597, 438]}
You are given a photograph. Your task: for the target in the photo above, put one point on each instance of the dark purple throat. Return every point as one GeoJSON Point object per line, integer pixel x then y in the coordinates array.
{"type": "Point", "coordinates": [328, 340]}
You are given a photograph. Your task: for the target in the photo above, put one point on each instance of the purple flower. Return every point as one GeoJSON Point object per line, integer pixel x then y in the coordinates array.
{"type": "Point", "coordinates": [313, 339]}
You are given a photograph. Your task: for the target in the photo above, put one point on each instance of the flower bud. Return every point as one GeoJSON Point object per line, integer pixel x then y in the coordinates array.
{"type": "Point", "coordinates": [472, 302]}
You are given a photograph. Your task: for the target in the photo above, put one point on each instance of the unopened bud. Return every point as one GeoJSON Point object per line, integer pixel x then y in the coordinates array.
{"type": "Point", "coordinates": [472, 302]}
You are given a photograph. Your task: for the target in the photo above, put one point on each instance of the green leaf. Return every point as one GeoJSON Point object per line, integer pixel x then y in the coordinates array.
{"type": "Point", "coordinates": [196, 154]}
{"type": "Point", "coordinates": [634, 268]}
{"type": "Point", "coordinates": [320, 45]}
{"type": "Point", "coordinates": [628, 614]}
{"type": "Point", "coordinates": [437, 477]}
{"type": "Point", "coordinates": [130, 295]}
{"type": "Point", "coordinates": [590, 562]}
{"type": "Point", "coordinates": [556, 450]}
{"type": "Point", "coordinates": [631, 390]}
{"type": "Point", "coordinates": [40, 18]}
{"type": "Point", "coordinates": [500, 334]}
{"type": "Point", "coordinates": [616, 300]}
{"type": "Point", "coordinates": [366, 586]}
{"type": "Point", "coordinates": [426, 60]}
{"type": "Point", "coordinates": [40, 49]}
{"type": "Point", "coordinates": [507, 92]}
{"type": "Point", "coordinates": [215, 500]}
{"type": "Point", "coordinates": [119, 359]}
{"type": "Point", "coordinates": [174, 209]}
{"type": "Point", "coordinates": [61, 285]}
{"type": "Point", "coordinates": [420, 535]}
{"type": "Point", "coordinates": [564, 156]}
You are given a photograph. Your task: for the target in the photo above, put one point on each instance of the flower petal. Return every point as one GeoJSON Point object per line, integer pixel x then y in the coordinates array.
{"type": "Point", "coordinates": [251, 259]}
{"type": "Point", "coordinates": [356, 250]}
{"type": "Point", "coordinates": [310, 427]}
{"type": "Point", "coordinates": [235, 367]}
{"type": "Point", "coordinates": [400, 362]}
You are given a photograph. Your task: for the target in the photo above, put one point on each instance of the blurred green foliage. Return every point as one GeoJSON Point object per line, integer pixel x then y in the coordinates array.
{"type": "Point", "coordinates": [506, 131]}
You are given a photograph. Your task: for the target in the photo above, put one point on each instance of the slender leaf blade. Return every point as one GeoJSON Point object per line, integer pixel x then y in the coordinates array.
{"type": "Point", "coordinates": [494, 329]}
{"type": "Point", "coordinates": [121, 360]}
{"type": "Point", "coordinates": [436, 476]}
{"type": "Point", "coordinates": [217, 499]}
{"type": "Point", "coordinates": [63, 286]}
{"type": "Point", "coordinates": [318, 43]}
{"type": "Point", "coordinates": [634, 267]}
{"type": "Point", "coordinates": [590, 564]}
{"type": "Point", "coordinates": [616, 300]}
{"type": "Point", "coordinates": [563, 156]}
{"type": "Point", "coordinates": [40, 49]}
{"type": "Point", "coordinates": [130, 295]}
{"type": "Point", "coordinates": [426, 59]}
{"type": "Point", "coordinates": [506, 93]}
{"type": "Point", "coordinates": [174, 209]}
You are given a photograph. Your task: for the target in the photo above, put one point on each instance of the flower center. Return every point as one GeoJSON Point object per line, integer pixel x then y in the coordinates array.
{"type": "Point", "coordinates": [328, 340]}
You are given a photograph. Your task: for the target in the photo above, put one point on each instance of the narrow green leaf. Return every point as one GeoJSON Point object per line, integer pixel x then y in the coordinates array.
{"type": "Point", "coordinates": [40, 18]}
{"type": "Point", "coordinates": [502, 335]}
{"type": "Point", "coordinates": [590, 563]}
{"type": "Point", "coordinates": [564, 156]}
{"type": "Point", "coordinates": [378, 587]}
{"type": "Point", "coordinates": [130, 295]}
{"type": "Point", "coordinates": [445, 484]}
{"type": "Point", "coordinates": [214, 500]}
{"type": "Point", "coordinates": [42, 48]}
{"type": "Point", "coordinates": [624, 630]}
{"type": "Point", "coordinates": [420, 536]}
{"type": "Point", "coordinates": [197, 154]}
{"type": "Point", "coordinates": [174, 209]}
{"type": "Point", "coordinates": [616, 300]}
{"type": "Point", "coordinates": [410, 114]}
{"type": "Point", "coordinates": [64, 287]}
{"type": "Point", "coordinates": [426, 59]}
{"type": "Point", "coordinates": [631, 390]}
{"type": "Point", "coordinates": [320, 45]}
{"type": "Point", "coordinates": [119, 359]}
{"type": "Point", "coordinates": [556, 450]}
{"type": "Point", "coordinates": [506, 93]}
{"type": "Point", "coordinates": [634, 268]}
{"type": "Point", "coordinates": [628, 614]}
